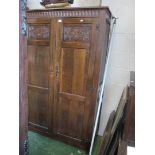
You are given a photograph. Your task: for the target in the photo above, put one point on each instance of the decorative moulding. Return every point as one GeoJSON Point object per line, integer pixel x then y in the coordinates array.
{"type": "Point", "coordinates": [77, 33]}
{"type": "Point", "coordinates": [64, 13]}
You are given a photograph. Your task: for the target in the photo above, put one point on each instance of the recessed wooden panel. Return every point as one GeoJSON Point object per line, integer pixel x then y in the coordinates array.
{"type": "Point", "coordinates": [38, 65]}
{"type": "Point", "coordinates": [38, 107]}
{"type": "Point", "coordinates": [70, 118]}
{"type": "Point", "coordinates": [73, 70]}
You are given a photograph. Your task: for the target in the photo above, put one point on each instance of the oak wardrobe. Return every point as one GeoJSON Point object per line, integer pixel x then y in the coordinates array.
{"type": "Point", "coordinates": [66, 52]}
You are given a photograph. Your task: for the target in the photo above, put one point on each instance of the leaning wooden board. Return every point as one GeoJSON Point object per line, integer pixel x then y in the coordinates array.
{"type": "Point", "coordinates": [113, 131]}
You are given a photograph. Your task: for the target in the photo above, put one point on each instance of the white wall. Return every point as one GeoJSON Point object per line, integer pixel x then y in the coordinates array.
{"type": "Point", "coordinates": [122, 59]}
{"type": "Point", "coordinates": [34, 4]}
{"type": "Point", "coordinates": [77, 3]}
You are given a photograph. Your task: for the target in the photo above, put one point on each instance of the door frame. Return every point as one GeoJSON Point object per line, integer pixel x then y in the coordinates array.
{"type": "Point", "coordinates": [23, 102]}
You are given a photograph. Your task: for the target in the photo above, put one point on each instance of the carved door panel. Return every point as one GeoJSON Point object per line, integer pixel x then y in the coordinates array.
{"type": "Point", "coordinates": [39, 67]}
{"type": "Point", "coordinates": [74, 66]}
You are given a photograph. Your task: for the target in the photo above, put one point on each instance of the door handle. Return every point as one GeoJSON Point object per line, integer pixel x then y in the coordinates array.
{"type": "Point", "coordinates": [57, 71]}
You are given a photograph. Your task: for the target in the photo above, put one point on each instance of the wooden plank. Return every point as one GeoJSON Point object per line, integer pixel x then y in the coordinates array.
{"type": "Point", "coordinates": [122, 148]}
{"type": "Point", "coordinates": [113, 129]}
{"type": "Point", "coordinates": [72, 96]}
{"type": "Point", "coordinates": [38, 21]}
{"type": "Point", "coordinates": [66, 44]}
{"type": "Point", "coordinates": [107, 133]}
{"type": "Point", "coordinates": [38, 42]}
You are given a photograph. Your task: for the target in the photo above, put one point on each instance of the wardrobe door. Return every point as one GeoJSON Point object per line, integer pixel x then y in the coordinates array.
{"type": "Point", "coordinates": [39, 62]}
{"type": "Point", "coordinates": [74, 66]}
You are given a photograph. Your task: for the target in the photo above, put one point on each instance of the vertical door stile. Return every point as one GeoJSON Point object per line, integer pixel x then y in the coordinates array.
{"type": "Point", "coordinates": [55, 80]}
{"type": "Point", "coordinates": [57, 52]}
{"type": "Point", "coordinates": [51, 76]}
{"type": "Point", "coordinates": [89, 105]}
